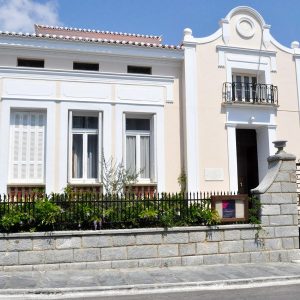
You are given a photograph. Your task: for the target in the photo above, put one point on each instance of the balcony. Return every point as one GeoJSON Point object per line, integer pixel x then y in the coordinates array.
{"type": "Point", "coordinates": [251, 93]}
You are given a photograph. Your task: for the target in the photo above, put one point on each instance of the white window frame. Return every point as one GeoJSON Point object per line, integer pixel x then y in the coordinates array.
{"type": "Point", "coordinates": [85, 133]}
{"type": "Point", "coordinates": [27, 180]}
{"type": "Point", "coordinates": [243, 91]}
{"type": "Point", "coordinates": [138, 134]}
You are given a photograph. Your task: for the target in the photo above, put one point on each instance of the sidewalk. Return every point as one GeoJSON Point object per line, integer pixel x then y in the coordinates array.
{"type": "Point", "coordinates": [70, 284]}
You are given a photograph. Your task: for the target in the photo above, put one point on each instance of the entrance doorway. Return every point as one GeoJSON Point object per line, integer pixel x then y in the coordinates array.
{"type": "Point", "coordinates": [246, 149]}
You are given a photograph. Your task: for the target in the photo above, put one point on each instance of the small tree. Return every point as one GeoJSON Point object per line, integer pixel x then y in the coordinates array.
{"type": "Point", "coordinates": [116, 178]}
{"type": "Point", "coordinates": [182, 181]}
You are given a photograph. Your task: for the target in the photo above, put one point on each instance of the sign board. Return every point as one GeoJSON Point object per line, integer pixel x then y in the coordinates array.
{"type": "Point", "coordinates": [232, 208]}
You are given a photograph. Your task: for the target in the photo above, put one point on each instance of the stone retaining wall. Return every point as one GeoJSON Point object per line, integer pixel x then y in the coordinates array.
{"type": "Point", "coordinates": [147, 247]}
{"type": "Point", "coordinates": [276, 240]}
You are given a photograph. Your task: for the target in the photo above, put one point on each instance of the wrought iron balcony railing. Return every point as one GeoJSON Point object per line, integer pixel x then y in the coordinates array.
{"type": "Point", "coordinates": [256, 93]}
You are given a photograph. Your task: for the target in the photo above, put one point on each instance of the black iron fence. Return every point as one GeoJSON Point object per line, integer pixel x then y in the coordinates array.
{"type": "Point", "coordinates": [97, 211]}
{"type": "Point", "coordinates": [250, 93]}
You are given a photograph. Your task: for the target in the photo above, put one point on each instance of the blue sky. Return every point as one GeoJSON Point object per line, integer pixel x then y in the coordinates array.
{"type": "Point", "coordinates": [158, 17]}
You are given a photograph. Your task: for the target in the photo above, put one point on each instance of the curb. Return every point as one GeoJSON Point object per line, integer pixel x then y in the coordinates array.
{"type": "Point", "coordinates": [87, 292]}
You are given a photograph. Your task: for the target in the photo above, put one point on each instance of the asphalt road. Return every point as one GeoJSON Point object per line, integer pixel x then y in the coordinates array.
{"type": "Point", "coordinates": [287, 292]}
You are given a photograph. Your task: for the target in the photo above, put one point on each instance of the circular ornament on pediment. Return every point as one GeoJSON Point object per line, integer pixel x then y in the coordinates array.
{"type": "Point", "coordinates": [245, 27]}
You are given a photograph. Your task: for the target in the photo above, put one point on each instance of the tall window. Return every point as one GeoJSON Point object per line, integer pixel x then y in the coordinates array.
{"type": "Point", "coordinates": [84, 148]}
{"type": "Point", "coordinates": [138, 147]}
{"type": "Point", "coordinates": [244, 87]}
{"type": "Point", "coordinates": [27, 143]}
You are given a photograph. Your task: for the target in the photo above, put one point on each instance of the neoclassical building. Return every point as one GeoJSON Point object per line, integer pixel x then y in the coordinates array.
{"type": "Point", "coordinates": [210, 107]}
{"type": "Point", "coordinates": [241, 93]}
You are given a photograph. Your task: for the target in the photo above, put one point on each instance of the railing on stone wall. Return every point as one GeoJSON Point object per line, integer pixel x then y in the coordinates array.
{"type": "Point", "coordinates": [98, 211]}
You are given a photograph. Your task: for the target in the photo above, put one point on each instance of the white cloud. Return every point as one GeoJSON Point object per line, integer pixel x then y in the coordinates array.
{"type": "Point", "coordinates": [21, 15]}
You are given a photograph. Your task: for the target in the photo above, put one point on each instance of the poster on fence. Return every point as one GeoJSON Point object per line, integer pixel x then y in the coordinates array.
{"type": "Point", "coordinates": [228, 208]}
{"type": "Point", "coordinates": [231, 208]}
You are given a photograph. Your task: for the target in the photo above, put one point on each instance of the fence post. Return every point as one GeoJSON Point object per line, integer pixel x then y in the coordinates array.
{"type": "Point", "coordinates": [279, 214]}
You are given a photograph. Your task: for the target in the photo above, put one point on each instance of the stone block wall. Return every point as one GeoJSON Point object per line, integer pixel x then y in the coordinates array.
{"type": "Point", "coordinates": [278, 195]}
{"type": "Point", "coordinates": [277, 239]}
{"type": "Point", "coordinates": [146, 247]}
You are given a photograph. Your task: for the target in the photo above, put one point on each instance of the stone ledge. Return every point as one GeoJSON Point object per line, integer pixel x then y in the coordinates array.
{"type": "Point", "coordinates": [124, 231]}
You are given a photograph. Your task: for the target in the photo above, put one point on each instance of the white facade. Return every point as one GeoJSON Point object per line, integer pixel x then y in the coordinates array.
{"type": "Point", "coordinates": [57, 123]}
{"type": "Point", "coordinates": [58, 94]}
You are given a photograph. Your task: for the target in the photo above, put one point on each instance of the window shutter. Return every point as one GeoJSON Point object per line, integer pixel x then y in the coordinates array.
{"type": "Point", "coordinates": [27, 143]}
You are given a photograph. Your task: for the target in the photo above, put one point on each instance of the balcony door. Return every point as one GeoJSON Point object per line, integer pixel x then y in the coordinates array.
{"type": "Point", "coordinates": [247, 163]}
{"type": "Point", "coordinates": [244, 87]}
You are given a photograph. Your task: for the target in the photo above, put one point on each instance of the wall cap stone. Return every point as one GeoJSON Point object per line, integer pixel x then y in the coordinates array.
{"type": "Point", "coordinates": [124, 231]}
{"type": "Point", "coordinates": [281, 156]}
{"type": "Point", "coordinates": [269, 178]}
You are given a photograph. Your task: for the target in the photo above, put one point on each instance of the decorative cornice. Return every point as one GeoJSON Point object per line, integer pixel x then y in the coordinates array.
{"type": "Point", "coordinates": [80, 75]}
{"type": "Point", "coordinates": [246, 50]}
{"type": "Point", "coordinates": [222, 50]}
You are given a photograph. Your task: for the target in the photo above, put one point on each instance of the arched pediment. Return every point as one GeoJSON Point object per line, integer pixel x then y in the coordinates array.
{"type": "Point", "coordinates": [245, 27]}
{"type": "Point", "coordinates": [246, 10]}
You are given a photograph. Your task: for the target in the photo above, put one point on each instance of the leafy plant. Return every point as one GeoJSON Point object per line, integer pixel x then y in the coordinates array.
{"type": "Point", "coordinates": [254, 210]}
{"type": "Point", "coordinates": [14, 218]}
{"type": "Point", "coordinates": [182, 181]}
{"type": "Point", "coordinates": [149, 214]}
{"type": "Point", "coordinates": [167, 218]}
{"type": "Point", "coordinates": [68, 191]}
{"type": "Point", "coordinates": [203, 214]}
{"type": "Point", "coordinates": [46, 212]}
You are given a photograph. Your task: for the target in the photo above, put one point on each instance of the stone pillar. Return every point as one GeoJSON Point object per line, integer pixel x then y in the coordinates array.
{"type": "Point", "coordinates": [279, 214]}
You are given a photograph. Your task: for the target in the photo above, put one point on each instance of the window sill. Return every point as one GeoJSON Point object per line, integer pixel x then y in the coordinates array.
{"type": "Point", "coordinates": [26, 184]}
{"type": "Point", "coordinates": [145, 183]}
{"type": "Point", "coordinates": [250, 104]}
{"type": "Point", "coordinates": [80, 183]}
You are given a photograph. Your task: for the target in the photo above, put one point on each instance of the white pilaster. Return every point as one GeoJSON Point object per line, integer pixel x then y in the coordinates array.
{"type": "Point", "coordinates": [297, 61]}
{"type": "Point", "coordinates": [266, 35]}
{"type": "Point", "coordinates": [272, 138]}
{"type": "Point", "coordinates": [232, 157]}
{"type": "Point", "coordinates": [224, 23]}
{"type": "Point", "coordinates": [191, 115]}
{"type": "Point", "coordinates": [50, 145]}
{"type": "Point", "coordinates": [263, 151]}
{"type": "Point", "coordinates": [4, 156]}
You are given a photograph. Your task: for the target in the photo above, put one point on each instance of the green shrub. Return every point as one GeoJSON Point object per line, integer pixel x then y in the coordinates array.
{"type": "Point", "coordinates": [14, 219]}
{"type": "Point", "coordinates": [71, 211]}
{"type": "Point", "coordinates": [46, 213]}
{"type": "Point", "coordinates": [149, 214]}
{"type": "Point", "coordinates": [203, 215]}
{"type": "Point", "coordinates": [254, 210]}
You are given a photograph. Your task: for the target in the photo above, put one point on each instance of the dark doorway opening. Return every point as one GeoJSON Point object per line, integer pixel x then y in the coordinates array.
{"type": "Point", "coordinates": [246, 149]}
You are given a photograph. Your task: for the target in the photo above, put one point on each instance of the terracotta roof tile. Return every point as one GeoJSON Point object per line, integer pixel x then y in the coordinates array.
{"type": "Point", "coordinates": [107, 37]}
{"type": "Point", "coordinates": [97, 34]}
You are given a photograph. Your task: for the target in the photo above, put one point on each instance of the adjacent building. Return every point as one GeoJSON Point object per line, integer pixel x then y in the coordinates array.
{"type": "Point", "coordinates": [209, 108]}
{"type": "Point", "coordinates": [242, 93]}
